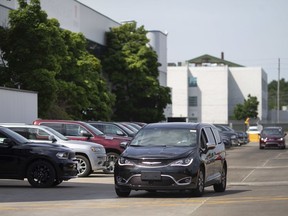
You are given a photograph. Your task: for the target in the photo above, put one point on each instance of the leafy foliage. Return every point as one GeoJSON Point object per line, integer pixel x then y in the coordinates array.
{"type": "Point", "coordinates": [55, 63]}
{"type": "Point", "coordinates": [272, 94]}
{"type": "Point", "coordinates": [247, 109]}
{"type": "Point", "coordinates": [132, 69]}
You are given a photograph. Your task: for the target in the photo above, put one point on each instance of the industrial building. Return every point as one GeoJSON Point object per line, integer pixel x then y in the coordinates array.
{"type": "Point", "coordinates": [207, 88]}
{"type": "Point", "coordinates": [203, 89]}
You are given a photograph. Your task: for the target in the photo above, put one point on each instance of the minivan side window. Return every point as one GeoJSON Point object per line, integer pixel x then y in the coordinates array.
{"type": "Point", "coordinates": [217, 135]}
{"type": "Point", "coordinates": [210, 136]}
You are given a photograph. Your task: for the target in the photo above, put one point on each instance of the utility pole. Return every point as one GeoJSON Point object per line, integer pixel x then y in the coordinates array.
{"type": "Point", "coordinates": [278, 91]}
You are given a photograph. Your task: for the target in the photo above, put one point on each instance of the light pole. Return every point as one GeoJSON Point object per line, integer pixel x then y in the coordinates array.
{"type": "Point", "coordinates": [278, 91]}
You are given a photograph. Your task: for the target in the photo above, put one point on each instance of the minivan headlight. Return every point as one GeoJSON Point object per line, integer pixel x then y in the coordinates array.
{"type": "Point", "coordinates": [182, 162]}
{"type": "Point", "coordinates": [125, 162]}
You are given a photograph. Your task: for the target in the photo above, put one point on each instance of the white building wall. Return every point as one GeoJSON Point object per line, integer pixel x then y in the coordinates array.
{"type": "Point", "coordinates": [77, 17]}
{"type": "Point", "coordinates": [158, 40]}
{"type": "Point", "coordinates": [248, 80]}
{"type": "Point", "coordinates": [212, 94]}
{"type": "Point", "coordinates": [18, 106]}
{"type": "Point", "coordinates": [219, 90]}
{"type": "Point", "coordinates": [177, 80]}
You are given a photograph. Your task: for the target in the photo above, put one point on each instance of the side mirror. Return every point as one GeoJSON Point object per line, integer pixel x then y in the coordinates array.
{"type": "Point", "coordinates": [85, 134]}
{"type": "Point", "coordinates": [210, 146]}
{"type": "Point", "coordinates": [52, 138]}
{"type": "Point", "coordinates": [123, 145]}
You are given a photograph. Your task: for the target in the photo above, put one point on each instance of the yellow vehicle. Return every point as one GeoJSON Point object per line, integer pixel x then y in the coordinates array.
{"type": "Point", "coordinates": [254, 133]}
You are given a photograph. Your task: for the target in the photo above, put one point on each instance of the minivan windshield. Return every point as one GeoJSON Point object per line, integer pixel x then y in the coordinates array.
{"type": "Point", "coordinates": [168, 137]}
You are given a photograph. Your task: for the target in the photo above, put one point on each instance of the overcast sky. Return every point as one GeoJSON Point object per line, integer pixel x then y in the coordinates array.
{"type": "Point", "coordinates": [249, 32]}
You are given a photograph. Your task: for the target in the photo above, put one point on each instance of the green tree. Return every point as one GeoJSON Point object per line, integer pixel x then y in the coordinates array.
{"type": "Point", "coordinates": [33, 49]}
{"type": "Point", "coordinates": [272, 94]}
{"type": "Point", "coordinates": [248, 109]}
{"type": "Point", "coordinates": [132, 70]}
{"type": "Point", "coordinates": [55, 63]}
{"type": "Point", "coordinates": [82, 90]}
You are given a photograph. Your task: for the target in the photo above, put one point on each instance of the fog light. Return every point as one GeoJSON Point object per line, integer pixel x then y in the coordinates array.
{"type": "Point", "coordinates": [120, 179]}
{"type": "Point", "coordinates": [186, 180]}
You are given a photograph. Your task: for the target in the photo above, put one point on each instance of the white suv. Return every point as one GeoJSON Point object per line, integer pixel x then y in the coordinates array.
{"type": "Point", "coordinates": [90, 156]}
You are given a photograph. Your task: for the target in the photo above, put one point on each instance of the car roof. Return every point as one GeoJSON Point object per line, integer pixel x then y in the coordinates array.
{"type": "Point", "coordinates": [272, 127]}
{"type": "Point", "coordinates": [187, 125]}
{"type": "Point", "coordinates": [21, 125]}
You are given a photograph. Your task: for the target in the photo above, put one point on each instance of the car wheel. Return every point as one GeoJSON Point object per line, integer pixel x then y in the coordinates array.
{"type": "Point", "coordinates": [84, 168]}
{"type": "Point", "coordinates": [199, 190]}
{"type": "Point", "coordinates": [57, 182]}
{"type": "Point", "coordinates": [261, 147]}
{"type": "Point", "coordinates": [122, 193]}
{"type": "Point", "coordinates": [41, 174]}
{"type": "Point", "coordinates": [111, 160]}
{"type": "Point", "coordinates": [221, 187]}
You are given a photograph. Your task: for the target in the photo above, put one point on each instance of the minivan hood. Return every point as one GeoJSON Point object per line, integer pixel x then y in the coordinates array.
{"type": "Point", "coordinates": [158, 152]}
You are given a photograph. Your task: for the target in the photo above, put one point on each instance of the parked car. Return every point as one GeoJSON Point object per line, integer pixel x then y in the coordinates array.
{"type": "Point", "coordinates": [172, 156]}
{"type": "Point", "coordinates": [131, 127]}
{"type": "Point", "coordinates": [132, 124]}
{"type": "Point", "coordinates": [79, 130]}
{"type": "Point", "coordinates": [228, 133]}
{"type": "Point", "coordinates": [242, 137]}
{"type": "Point", "coordinates": [113, 128]}
{"type": "Point", "coordinates": [43, 164]}
{"type": "Point", "coordinates": [91, 156]}
{"type": "Point", "coordinates": [272, 137]}
{"type": "Point", "coordinates": [254, 133]}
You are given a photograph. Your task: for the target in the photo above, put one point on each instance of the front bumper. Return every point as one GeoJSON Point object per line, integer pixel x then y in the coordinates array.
{"type": "Point", "coordinates": [168, 178]}
{"type": "Point", "coordinates": [68, 171]}
{"type": "Point", "coordinates": [272, 144]}
{"type": "Point", "coordinates": [98, 162]}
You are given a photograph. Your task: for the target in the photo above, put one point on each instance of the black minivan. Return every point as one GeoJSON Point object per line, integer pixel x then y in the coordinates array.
{"type": "Point", "coordinates": [172, 156]}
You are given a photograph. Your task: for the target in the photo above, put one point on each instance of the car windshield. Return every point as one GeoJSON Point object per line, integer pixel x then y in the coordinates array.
{"type": "Point", "coordinates": [94, 129]}
{"type": "Point", "coordinates": [56, 133]}
{"type": "Point", "coordinates": [168, 137]}
{"type": "Point", "coordinates": [272, 131]}
{"type": "Point", "coordinates": [253, 129]}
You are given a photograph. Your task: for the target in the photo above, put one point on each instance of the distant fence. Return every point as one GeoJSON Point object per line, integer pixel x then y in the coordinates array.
{"type": "Point", "coordinates": [240, 126]}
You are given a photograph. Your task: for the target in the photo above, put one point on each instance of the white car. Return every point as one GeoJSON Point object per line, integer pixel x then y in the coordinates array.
{"type": "Point", "coordinates": [90, 156]}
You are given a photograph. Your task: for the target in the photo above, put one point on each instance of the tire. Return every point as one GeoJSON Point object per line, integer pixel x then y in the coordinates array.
{"type": "Point", "coordinates": [122, 193]}
{"type": "Point", "coordinates": [41, 174]}
{"type": "Point", "coordinates": [84, 167]}
{"type": "Point", "coordinates": [111, 160]}
{"type": "Point", "coordinates": [199, 190]}
{"type": "Point", "coordinates": [221, 187]}
{"type": "Point", "coordinates": [57, 182]}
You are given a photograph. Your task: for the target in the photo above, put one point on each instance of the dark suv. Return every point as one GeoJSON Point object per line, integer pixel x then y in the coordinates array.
{"type": "Point", "coordinates": [113, 128]}
{"type": "Point", "coordinates": [43, 164]}
{"type": "Point", "coordinates": [78, 130]}
{"type": "Point", "coordinates": [172, 156]}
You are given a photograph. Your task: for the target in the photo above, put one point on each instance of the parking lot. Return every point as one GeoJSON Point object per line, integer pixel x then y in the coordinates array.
{"type": "Point", "coordinates": [257, 185]}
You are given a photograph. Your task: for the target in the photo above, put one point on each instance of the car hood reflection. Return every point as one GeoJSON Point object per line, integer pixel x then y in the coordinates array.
{"type": "Point", "coordinates": [158, 152]}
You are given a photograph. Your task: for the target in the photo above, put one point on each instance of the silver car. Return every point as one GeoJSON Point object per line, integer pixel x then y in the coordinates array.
{"type": "Point", "coordinates": [91, 156]}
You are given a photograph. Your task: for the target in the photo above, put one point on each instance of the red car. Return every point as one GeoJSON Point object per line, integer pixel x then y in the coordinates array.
{"type": "Point", "coordinates": [272, 137]}
{"type": "Point", "coordinates": [78, 130]}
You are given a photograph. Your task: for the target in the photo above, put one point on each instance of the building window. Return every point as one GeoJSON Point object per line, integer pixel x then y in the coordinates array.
{"type": "Point", "coordinates": [193, 119]}
{"type": "Point", "coordinates": [193, 101]}
{"type": "Point", "coordinates": [192, 81]}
